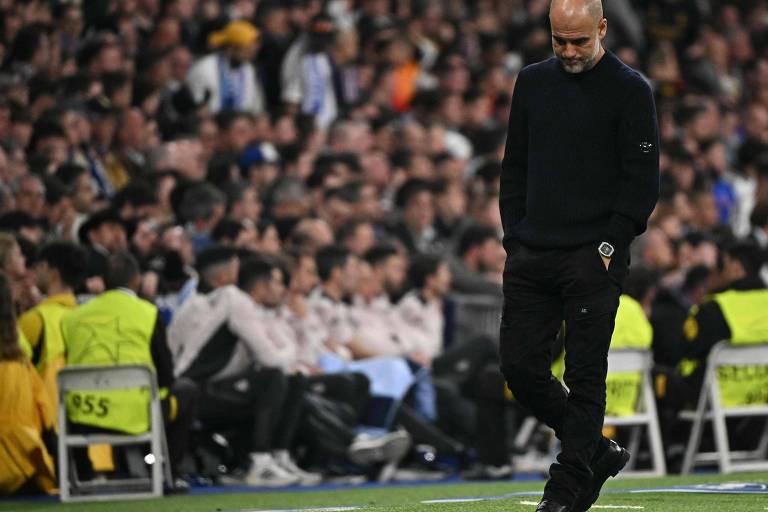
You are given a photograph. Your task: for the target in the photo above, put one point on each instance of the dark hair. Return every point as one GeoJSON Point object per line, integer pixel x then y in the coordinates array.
{"type": "Point", "coordinates": [473, 236]}
{"type": "Point", "coordinates": [380, 253]}
{"type": "Point", "coordinates": [122, 268]}
{"type": "Point", "coordinates": [200, 200]}
{"type": "Point", "coordinates": [695, 277]}
{"type": "Point", "coordinates": [255, 270]}
{"type": "Point", "coordinates": [348, 229]}
{"type": "Point", "coordinates": [136, 193]}
{"type": "Point", "coordinates": [422, 267]}
{"type": "Point", "coordinates": [329, 258]}
{"type": "Point", "coordinates": [95, 221]}
{"type": "Point", "coordinates": [9, 334]}
{"type": "Point", "coordinates": [27, 42]}
{"type": "Point", "coordinates": [227, 228]}
{"type": "Point", "coordinates": [67, 174]}
{"type": "Point", "coordinates": [44, 129]}
{"type": "Point", "coordinates": [114, 81]}
{"type": "Point", "coordinates": [213, 256]}
{"type": "Point", "coordinates": [226, 118]}
{"type": "Point", "coordinates": [68, 258]}
{"type": "Point", "coordinates": [639, 281]}
{"type": "Point", "coordinates": [339, 193]}
{"type": "Point", "coordinates": [410, 189]}
{"type": "Point", "coordinates": [749, 255]}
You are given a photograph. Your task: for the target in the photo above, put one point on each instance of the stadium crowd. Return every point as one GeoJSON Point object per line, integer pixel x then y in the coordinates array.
{"type": "Point", "coordinates": [276, 204]}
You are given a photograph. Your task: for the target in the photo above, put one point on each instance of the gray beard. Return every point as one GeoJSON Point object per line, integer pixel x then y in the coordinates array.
{"type": "Point", "coordinates": [582, 66]}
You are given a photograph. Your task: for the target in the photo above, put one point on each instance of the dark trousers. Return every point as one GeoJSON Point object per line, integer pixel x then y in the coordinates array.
{"type": "Point", "coordinates": [179, 424]}
{"type": "Point", "coordinates": [263, 405]}
{"type": "Point", "coordinates": [352, 389]}
{"type": "Point", "coordinates": [543, 289]}
{"type": "Point", "coordinates": [464, 375]}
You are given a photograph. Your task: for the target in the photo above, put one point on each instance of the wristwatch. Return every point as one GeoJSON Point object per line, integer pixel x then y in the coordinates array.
{"type": "Point", "coordinates": [605, 249]}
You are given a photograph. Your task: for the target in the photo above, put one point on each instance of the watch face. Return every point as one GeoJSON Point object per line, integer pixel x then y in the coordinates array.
{"type": "Point", "coordinates": [606, 249]}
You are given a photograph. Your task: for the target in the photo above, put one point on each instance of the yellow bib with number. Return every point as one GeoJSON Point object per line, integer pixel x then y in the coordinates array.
{"type": "Point", "coordinates": [114, 328]}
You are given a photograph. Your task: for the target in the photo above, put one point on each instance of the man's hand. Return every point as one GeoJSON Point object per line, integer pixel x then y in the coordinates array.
{"type": "Point", "coordinates": [606, 261]}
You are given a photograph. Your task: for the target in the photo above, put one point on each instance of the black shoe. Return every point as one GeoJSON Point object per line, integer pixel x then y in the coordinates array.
{"type": "Point", "coordinates": [550, 505]}
{"type": "Point", "coordinates": [613, 460]}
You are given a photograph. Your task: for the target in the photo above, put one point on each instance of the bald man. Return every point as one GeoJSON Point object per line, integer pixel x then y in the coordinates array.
{"type": "Point", "coordinates": [580, 178]}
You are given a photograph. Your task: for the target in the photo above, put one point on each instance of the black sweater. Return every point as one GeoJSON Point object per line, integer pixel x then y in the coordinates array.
{"type": "Point", "coordinates": [581, 163]}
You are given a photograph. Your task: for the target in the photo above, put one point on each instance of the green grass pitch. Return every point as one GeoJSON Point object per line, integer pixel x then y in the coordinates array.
{"type": "Point", "coordinates": [410, 498]}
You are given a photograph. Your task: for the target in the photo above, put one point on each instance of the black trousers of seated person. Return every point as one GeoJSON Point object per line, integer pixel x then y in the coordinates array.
{"type": "Point", "coordinates": [460, 374]}
{"type": "Point", "coordinates": [334, 405]}
{"type": "Point", "coordinates": [178, 419]}
{"type": "Point", "coordinates": [543, 288]}
{"type": "Point", "coordinates": [352, 389]}
{"type": "Point", "coordinates": [262, 406]}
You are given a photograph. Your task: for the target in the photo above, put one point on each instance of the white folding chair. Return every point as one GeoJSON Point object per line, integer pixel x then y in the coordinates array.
{"type": "Point", "coordinates": [639, 361]}
{"type": "Point", "coordinates": [80, 378]}
{"type": "Point", "coordinates": [710, 409]}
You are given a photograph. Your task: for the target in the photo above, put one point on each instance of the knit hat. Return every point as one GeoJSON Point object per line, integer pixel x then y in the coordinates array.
{"type": "Point", "coordinates": [236, 33]}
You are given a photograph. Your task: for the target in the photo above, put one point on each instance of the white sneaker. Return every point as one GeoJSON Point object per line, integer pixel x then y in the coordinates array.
{"type": "Point", "coordinates": [391, 447]}
{"type": "Point", "coordinates": [266, 472]}
{"type": "Point", "coordinates": [284, 460]}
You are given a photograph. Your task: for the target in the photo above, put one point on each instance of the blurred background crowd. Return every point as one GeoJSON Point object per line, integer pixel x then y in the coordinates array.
{"type": "Point", "coordinates": [354, 144]}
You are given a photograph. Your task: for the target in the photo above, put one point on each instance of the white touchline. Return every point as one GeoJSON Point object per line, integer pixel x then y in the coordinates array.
{"type": "Point", "coordinates": [630, 507]}
{"type": "Point", "coordinates": [314, 509]}
{"type": "Point", "coordinates": [626, 507]}
{"type": "Point", "coordinates": [453, 500]}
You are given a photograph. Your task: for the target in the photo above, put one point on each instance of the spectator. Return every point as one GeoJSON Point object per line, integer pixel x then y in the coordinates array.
{"type": "Point", "coordinates": [222, 319]}
{"type": "Point", "coordinates": [60, 269]}
{"type": "Point", "coordinates": [356, 236]}
{"type": "Point", "coordinates": [669, 312]}
{"type": "Point", "coordinates": [103, 234]}
{"type": "Point", "coordinates": [14, 266]}
{"type": "Point", "coordinates": [415, 228]}
{"type": "Point", "coordinates": [227, 76]}
{"type": "Point", "coordinates": [338, 272]}
{"type": "Point", "coordinates": [203, 207]}
{"type": "Point", "coordinates": [78, 187]}
{"type": "Point", "coordinates": [734, 314]}
{"type": "Point", "coordinates": [27, 457]}
{"type": "Point", "coordinates": [469, 384]}
{"type": "Point", "coordinates": [29, 194]}
{"type": "Point", "coordinates": [480, 262]}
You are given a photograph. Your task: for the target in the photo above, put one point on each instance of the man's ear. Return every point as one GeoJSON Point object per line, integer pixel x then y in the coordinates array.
{"type": "Point", "coordinates": [602, 28]}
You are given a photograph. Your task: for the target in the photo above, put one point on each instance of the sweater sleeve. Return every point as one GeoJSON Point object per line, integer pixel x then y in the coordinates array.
{"type": "Point", "coordinates": [638, 187]}
{"type": "Point", "coordinates": [514, 166]}
{"type": "Point", "coordinates": [161, 355]}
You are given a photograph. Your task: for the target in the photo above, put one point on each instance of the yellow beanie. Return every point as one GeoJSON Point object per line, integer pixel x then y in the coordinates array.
{"type": "Point", "coordinates": [236, 33]}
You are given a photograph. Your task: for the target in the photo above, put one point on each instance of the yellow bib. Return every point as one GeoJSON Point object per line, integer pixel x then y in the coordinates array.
{"type": "Point", "coordinates": [746, 313]}
{"type": "Point", "coordinates": [632, 331]}
{"type": "Point", "coordinates": [115, 328]}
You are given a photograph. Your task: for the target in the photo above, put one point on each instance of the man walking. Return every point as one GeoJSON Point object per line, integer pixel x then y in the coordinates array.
{"type": "Point", "coordinates": [580, 178]}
